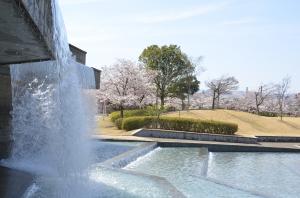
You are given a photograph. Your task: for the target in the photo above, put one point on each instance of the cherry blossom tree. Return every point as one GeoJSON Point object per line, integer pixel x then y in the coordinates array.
{"type": "Point", "coordinates": [221, 86]}
{"type": "Point", "coordinates": [281, 94]}
{"type": "Point", "coordinates": [293, 104]}
{"type": "Point", "coordinates": [297, 104]}
{"type": "Point", "coordinates": [262, 94]}
{"type": "Point", "coordinates": [126, 83]}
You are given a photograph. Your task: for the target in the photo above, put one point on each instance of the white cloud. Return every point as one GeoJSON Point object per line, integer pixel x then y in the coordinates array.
{"type": "Point", "coordinates": [242, 21]}
{"type": "Point", "coordinates": [182, 14]}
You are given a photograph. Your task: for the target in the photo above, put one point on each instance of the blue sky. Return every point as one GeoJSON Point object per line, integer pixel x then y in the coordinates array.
{"type": "Point", "coordinates": [257, 41]}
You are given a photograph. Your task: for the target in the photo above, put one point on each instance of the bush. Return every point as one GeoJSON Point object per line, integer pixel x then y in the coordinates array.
{"type": "Point", "coordinates": [129, 113]}
{"type": "Point", "coordinates": [118, 123]}
{"type": "Point", "coordinates": [132, 123]}
{"type": "Point", "coordinates": [196, 125]}
{"type": "Point", "coordinates": [114, 116]}
{"type": "Point", "coordinates": [179, 124]}
{"type": "Point", "coordinates": [150, 111]}
{"type": "Point", "coordinates": [268, 114]}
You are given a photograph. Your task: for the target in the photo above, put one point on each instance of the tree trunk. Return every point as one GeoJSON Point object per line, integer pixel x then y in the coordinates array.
{"type": "Point", "coordinates": [256, 103]}
{"type": "Point", "coordinates": [182, 104]}
{"type": "Point", "coordinates": [141, 100]}
{"type": "Point", "coordinates": [156, 99]}
{"type": "Point", "coordinates": [280, 108]}
{"type": "Point", "coordinates": [121, 111]}
{"type": "Point", "coordinates": [162, 101]}
{"type": "Point", "coordinates": [213, 102]}
{"type": "Point", "coordinates": [257, 109]}
{"type": "Point", "coordinates": [188, 98]}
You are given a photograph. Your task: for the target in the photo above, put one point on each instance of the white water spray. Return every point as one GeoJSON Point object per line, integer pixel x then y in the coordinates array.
{"type": "Point", "coordinates": [51, 115]}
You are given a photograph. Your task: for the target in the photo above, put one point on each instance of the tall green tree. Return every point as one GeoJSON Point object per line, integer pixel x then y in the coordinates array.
{"type": "Point", "coordinates": [169, 63]}
{"type": "Point", "coordinates": [184, 87]}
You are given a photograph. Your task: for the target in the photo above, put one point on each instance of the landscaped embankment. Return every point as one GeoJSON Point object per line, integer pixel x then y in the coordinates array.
{"type": "Point", "coordinates": [249, 124]}
{"type": "Point", "coordinates": [135, 119]}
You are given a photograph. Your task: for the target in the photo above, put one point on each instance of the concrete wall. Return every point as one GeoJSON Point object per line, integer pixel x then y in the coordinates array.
{"type": "Point", "coordinates": [26, 35]}
{"type": "Point", "coordinates": [79, 54]}
{"type": "Point", "coordinates": [97, 74]}
{"type": "Point", "coordinates": [5, 107]}
{"type": "Point", "coordinates": [278, 139]}
{"type": "Point", "coordinates": [20, 38]}
{"type": "Point", "coordinates": [40, 12]}
{"type": "Point", "coordinates": [156, 133]}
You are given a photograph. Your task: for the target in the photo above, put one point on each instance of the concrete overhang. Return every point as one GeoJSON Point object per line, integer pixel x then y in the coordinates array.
{"type": "Point", "coordinates": [21, 40]}
{"type": "Point", "coordinates": [97, 74]}
{"type": "Point", "coordinates": [26, 34]}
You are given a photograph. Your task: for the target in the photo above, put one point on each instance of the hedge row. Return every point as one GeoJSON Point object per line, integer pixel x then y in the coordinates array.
{"type": "Point", "coordinates": [129, 113]}
{"type": "Point", "coordinates": [268, 114]}
{"type": "Point", "coordinates": [179, 124]}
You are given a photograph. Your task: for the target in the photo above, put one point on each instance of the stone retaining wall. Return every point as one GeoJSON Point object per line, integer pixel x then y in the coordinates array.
{"type": "Point", "coordinates": [278, 139]}
{"type": "Point", "coordinates": [157, 133]}
{"type": "Point", "coordinates": [194, 136]}
{"type": "Point", "coordinates": [220, 147]}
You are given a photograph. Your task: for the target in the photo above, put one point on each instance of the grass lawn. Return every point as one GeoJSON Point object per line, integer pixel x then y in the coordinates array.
{"type": "Point", "coordinates": [249, 124]}
{"type": "Point", "coordinates": [106, 127]}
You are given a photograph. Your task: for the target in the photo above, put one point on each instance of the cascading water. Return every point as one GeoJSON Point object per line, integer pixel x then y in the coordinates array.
{"type": "Point", "coordinates": [51, 118]}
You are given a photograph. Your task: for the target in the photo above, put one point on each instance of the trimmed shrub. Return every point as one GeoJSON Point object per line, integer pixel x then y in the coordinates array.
{"type": "Point", "coordinates": [132, 123]}
{"type": "Point", "coordinates": [268, 114]}
{"type": "Point", "coordinates": [196, 125]}
{"type": "Point", "coordinates": [128, 113]}
{"type": "Point", "coordinates": [114, 116]}
{"type": "Point", "coordinates": [179, 124]}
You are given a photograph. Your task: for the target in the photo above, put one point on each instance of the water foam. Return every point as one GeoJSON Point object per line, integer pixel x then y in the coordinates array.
{"type": "Point", "coordinates": [52, 117]}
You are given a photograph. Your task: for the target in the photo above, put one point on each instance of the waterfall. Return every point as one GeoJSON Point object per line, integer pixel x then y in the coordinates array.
{"type": "Point", "coordinates": [51, 117]}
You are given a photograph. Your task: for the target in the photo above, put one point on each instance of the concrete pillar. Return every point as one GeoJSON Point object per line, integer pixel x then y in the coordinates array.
{"type": "Point", "coordinates": [5, 108]}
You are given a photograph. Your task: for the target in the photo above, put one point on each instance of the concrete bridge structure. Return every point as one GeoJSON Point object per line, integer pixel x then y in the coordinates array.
{"type": "Point", "coordinates": [26, 35]}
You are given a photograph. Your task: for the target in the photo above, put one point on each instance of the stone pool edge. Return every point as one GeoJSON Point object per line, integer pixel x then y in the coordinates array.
{"type": "Point", "coordinates": [212, 146]}
{"type": "Point", "coordinates": [158, 133]}
{"type": "Point", "coordinates": [118, 162]}
{"type": "Point", "coordinates": [122, 160]}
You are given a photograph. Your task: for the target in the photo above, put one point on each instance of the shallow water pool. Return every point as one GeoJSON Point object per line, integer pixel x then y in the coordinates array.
{"type": "Point", "coordinates": [103, 150]}
{"type": "Point", "coordinates": [99, 181]}
{"type": "Point", "coordinates": [199, 173]}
